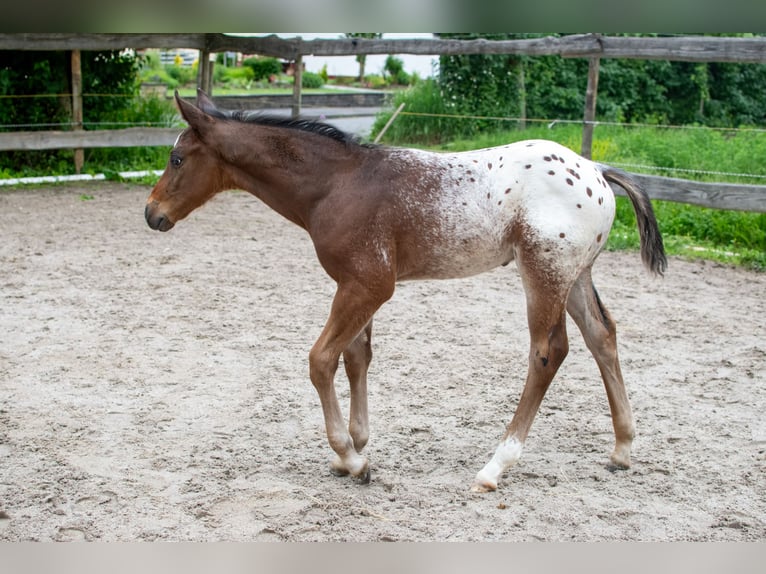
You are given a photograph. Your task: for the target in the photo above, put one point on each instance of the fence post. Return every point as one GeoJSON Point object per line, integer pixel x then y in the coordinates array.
{"type": "Point", "coordinates": [522, 86]}
{"type": "Point", "coordinates": [297, 81]}
{"type": "Point", "coordinates": [204, 73]}
{"type": "Point", "coordinates": [590, 107]}
{"type": "Point", "coordinates": [76, 64]}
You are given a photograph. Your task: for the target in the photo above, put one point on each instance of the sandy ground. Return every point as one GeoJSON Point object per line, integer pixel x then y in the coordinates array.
{"type": "Point", "coordinates": [155, 387]}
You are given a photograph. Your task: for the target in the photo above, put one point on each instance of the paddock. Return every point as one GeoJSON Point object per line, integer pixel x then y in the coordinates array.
{"type": "Point", "coordinates": [167, 397]}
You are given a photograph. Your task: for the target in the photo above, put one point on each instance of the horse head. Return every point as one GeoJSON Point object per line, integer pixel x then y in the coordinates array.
{"type": "Point", "coordinates": [193, 173]}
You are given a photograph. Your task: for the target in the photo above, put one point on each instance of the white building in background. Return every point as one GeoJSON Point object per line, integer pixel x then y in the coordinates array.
{"type": "Point", "coordinates": [425, 66]}
{"type": "Point", "coordinates": [180, 56]}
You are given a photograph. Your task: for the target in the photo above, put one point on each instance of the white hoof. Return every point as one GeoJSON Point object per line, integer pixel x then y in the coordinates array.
{"type": "Point", "coordinates": [483, 483]}
{"type": "Point", "coordinates": [507, 454]}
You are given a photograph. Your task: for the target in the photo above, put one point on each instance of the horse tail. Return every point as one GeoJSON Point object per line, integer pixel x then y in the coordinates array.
{"type": "Point", "coordinates": [652, 248]}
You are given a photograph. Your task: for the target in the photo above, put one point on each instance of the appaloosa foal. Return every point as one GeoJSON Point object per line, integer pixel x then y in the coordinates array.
{"type": "Point", "coordinates": [378, 215]}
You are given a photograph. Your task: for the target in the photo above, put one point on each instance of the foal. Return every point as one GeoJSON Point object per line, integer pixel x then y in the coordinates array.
{"type": "Point", "coordinates": [378, 215]}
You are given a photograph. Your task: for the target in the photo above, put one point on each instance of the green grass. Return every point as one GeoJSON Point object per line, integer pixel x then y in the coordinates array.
{"type": "Point", "coordinates": [700, 149]}
{"type": "Point", "coordinates": [694, 232]}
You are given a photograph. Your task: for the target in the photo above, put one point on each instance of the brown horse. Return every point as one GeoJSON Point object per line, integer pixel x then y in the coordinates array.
{"type": "Point", "coordinates": [378, 215]}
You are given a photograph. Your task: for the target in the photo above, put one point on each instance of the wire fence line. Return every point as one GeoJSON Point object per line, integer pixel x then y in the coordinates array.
{"type": "Point", "coordinates": [517, 119]}
{"type": "Point", "coordinates": [686, 170]}
{"type": "Point", "coordinates": [552, 122]}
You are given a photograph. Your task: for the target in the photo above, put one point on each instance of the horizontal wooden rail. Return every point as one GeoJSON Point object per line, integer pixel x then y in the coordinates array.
{"type": "Point", "coordinates": [51, 139]}
{"type": "Point", "coordinates": [681, 48]}
{"type": "Point", "coordinates": [734, 196]}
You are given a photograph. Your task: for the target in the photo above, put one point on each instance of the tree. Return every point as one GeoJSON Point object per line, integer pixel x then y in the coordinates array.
{"type": "Point", "coordinates": [362, 58]}
{"type": "Point", "coordinates": [36, 85]}
{"type": "Point", "coordinates": [651, 91]}
{"type": "Point", "coordinates": [36, 88]}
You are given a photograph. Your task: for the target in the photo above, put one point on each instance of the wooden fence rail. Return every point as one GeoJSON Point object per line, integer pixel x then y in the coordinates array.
{"type": "Point", "coordinates": [54, 139]}
{"type": "Point", "coordinates": [681, 48]}
{"type": "Point", "coordinates": [734, 196]}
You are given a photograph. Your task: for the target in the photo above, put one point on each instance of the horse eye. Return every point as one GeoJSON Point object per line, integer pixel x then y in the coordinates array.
{"type": "Point", "coordinates": [175, 161]}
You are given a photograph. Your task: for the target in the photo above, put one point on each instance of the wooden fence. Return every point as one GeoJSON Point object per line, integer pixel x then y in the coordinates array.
{"type": "Point", "coordinates": [590, 46]}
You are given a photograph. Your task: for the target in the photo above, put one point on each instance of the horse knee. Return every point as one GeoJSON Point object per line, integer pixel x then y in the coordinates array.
{"type": "Point", "coordinates": [322, 367]}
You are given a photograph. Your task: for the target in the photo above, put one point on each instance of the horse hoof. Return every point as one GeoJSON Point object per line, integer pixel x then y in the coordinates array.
{"type": "Point", "coordinates": [338, 468]}
{"type": "Point", "coordinates": [362, 475]}
{"type": "Point", "coordinates": [618, 461]}
{"type": "Point", "coordinates": [483, 486]}
{"type": "Point", "coordinates": [338, 471]}
{"type": "Point", "coordinates": [483, 482]}
{"type": "Point", "coordinates": [614, 467]}
{"type": "Point", "coordinates": [363, 478]}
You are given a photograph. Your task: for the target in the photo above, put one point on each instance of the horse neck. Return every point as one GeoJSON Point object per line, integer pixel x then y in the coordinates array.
{"type": "Point", "coordinates": [289, 170]}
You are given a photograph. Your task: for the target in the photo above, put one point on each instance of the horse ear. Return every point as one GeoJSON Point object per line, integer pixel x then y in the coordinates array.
{"type": "Point", "coordinates": [197, 119]}
{"type": "Point", "coordinates": [204, 102]}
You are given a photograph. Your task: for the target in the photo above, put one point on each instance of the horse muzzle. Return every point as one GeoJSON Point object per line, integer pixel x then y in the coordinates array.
{"type": "Point", "coordinates": [156, 219]}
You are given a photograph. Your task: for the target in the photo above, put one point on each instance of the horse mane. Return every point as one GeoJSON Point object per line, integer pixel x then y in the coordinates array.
{"type": "Point", "coordinates": [300, 124]}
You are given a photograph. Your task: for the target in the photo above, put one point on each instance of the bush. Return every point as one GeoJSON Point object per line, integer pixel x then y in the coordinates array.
{"type": "Point", "coordinates": [31, 80]}
{"type": "Point", "coordinates": [182, 75]}
{"type": "Point", "coordinates": [311, 80]}
{"type": "Point", "coordinates": [393, 71]}
{"type": "Point", "coordinates": [233, 76]}
{"type": "Point", "coordinates": [375, 81]}
{"type": "Point", "coordinates": [263, 68]}
{"type": "Point", "coordinates": [159, 76]}
{"type": "Point", "coordinates": [423, 98]}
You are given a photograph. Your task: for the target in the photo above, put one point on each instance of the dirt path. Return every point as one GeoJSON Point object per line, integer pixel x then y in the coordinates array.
{"type": "Point", "coordinates": [155, 386]}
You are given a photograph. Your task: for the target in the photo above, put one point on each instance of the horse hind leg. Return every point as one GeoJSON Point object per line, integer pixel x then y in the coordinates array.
{"type": "Point", "coordinates": [356, 360]}
{"type": "Point", "coordinates": [600, 334]}
{"type": "Point", "coordinates": [549, 345]}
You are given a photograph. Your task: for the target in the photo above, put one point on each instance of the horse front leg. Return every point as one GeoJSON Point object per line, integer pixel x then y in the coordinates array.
{"type": "Point", "coordinates": [350, 316]}
{"type": "Point", "coordinates": [356, 360]}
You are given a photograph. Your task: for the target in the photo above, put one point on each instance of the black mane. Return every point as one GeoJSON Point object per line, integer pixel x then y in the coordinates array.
{"type": "Point", "coordinates": [301, 124]}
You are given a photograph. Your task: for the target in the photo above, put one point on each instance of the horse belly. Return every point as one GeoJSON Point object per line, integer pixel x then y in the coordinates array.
{"type": "Point", "coordinates": [467, 240]}
{"type": "Point", "coordinates": [465, 256]}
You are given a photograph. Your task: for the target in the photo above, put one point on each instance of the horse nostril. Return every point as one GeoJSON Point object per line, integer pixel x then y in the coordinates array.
{"type": "Point", "coordinates": [157, 221]}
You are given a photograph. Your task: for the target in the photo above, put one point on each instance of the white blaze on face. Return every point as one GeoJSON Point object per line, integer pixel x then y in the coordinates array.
{"type": "Point", "coordinates": [176, 142]}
